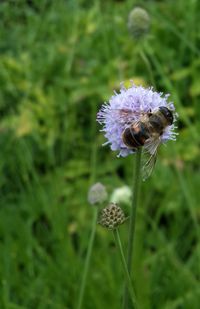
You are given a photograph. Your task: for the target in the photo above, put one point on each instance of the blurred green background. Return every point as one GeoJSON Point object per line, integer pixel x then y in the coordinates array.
{"type": "Point", "coordinates": [60, 60]}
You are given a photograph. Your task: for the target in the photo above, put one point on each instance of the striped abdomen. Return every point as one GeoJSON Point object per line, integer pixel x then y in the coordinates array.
{"type": "Point", "coordinates": [135, 135]}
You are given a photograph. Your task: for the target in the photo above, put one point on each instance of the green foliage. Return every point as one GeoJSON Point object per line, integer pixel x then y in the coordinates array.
{"type": "Point", "coordinates": [59, 61]}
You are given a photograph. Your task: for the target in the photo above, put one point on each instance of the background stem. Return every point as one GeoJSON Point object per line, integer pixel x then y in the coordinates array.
{"type": "Point", "coordinates": [87, 261]}
{"type": "Point", "coordinates": [127, 276]}
{"type": "Point", "coordinates": [95, 207]}
{"type": "Point", "coordinates": [148, 66]}
{"type": "Point", "coordinates": [135, 196]}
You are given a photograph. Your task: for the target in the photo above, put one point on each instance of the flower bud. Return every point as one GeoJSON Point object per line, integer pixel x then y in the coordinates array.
{"type": "Point", "coordinates": [138, 22]}
{"type": "Point", "coordinates": [121, 195]}
{"type": "Point", "coordinates": [111, 216]}
{"type": "Point", "coordinates": [97, 194]}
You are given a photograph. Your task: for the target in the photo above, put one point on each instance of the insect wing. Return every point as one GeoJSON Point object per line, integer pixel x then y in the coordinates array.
{"type": "Point", "coordinates": [149, 156]}
{"type": "Point", "coordinates": [151, 144]}
{"type": "Point", "coordinates": [148, 166]}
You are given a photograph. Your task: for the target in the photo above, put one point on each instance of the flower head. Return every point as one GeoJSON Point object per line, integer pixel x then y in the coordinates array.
{"type": "Point", "coordinates": [111, 216]}
{"type": "Point", "coordinates": [97, 194]}
{"type": "Point", "coordinates": [121, 195]}
{"type": "Point", "coordinates": [138, 22]}
{"type": "Point", "coordinates": [136, 100]}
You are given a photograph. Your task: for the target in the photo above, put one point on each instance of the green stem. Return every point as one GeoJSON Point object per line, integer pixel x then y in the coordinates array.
{"type": "Point", "coordinates": [135, 198]}
{"type": "Point", "coordinates": [126, 272]}
{"type": "Point", "coordinates": [148, 65]}
{"type": "Point", "coordinates": [87, 261]}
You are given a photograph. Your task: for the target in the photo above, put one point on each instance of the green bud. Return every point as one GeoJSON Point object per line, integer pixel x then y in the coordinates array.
{"type": "Point", "coordinates": [97, 194]}
{"type": "Point", "coordinates": [121, 195]}
{"type": "Point", "coordinates": [138, 22]}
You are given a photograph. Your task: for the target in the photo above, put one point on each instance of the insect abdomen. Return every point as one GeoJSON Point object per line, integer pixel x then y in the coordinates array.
{"type": "Point", "coordinates": [136, 135]}
{"type": "Point", "coordinates": [128, 139]}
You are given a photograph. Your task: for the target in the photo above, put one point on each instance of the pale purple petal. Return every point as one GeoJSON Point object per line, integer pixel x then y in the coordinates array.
{"type": "Point", "coordinates": [136, 99]}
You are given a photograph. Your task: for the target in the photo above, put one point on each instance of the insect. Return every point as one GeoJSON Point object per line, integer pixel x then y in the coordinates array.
{"type": "Point", "coordinates": [146, 132]}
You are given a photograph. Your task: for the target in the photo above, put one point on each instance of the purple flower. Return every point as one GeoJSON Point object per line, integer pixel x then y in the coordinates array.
{"type": "Point", "coordinates": [136, 100]}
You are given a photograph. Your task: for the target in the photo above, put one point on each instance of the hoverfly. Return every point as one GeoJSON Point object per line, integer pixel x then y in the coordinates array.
{"type": "Point", "coordinates": [146, 132]}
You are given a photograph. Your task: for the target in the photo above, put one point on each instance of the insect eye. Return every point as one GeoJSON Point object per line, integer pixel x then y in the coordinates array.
{"type": "Point", "coordinates": [170, 116]}
{"type": "Point", "coordinates": [167, 113]}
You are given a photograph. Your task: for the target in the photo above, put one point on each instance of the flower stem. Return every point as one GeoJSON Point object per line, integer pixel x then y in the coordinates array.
{"type": "Point", "coordinates": [135, 198]}
{"type": "Point", "coordinates": [88, 256]}
{"type": "Point", "coordinates": [126, 272]}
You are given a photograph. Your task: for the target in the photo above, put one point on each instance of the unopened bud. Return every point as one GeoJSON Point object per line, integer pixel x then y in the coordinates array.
{"type": "Point", "coordinates": [121, 195]}
{"type": "Point", "coordinates": [111, 216]}
{"type": "Point", "coordinates": [97, 194]}
{"type": "Point", "coordinates": [138, 22]}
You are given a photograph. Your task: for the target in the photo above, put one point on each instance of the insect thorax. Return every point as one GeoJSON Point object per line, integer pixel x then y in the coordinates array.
{"type": "Point", "coordinates": [157, 123]}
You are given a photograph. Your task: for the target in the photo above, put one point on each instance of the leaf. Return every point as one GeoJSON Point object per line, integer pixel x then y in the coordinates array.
{"type": "Point", "coordinates": [194, 88]}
